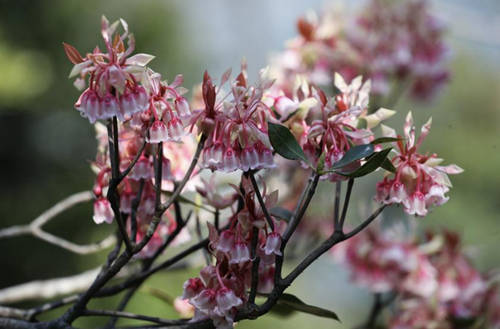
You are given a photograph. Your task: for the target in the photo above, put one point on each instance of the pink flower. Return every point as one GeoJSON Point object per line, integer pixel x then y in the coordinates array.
{"type": "Point", "coordinates": [192, 287]}
{"type": "Point", "coordinates": [226, 242]}
{"type": "Point", "coordinates": [273, 244]}
{"type": "Point", "coordinates": [158, 132]}
{"type": "Point", "coordinates": [419, 182]}
{"type": "Point", "coordinates": [213, 197]}
{"type": "Point", "coordinates": [183, 307]}
{"type": "Point", "coordinates": [102, 211]}
{"type": "Point", "coordinates": [113, 87]}
{"type": "Point", "coordinates": [239, 253]}
{"type": "Point", "coordinates": [143, 169]}
{"type": "Point", "coordinates": [236, 125]}
{"type": "Point", "coordinates": [226, 300]}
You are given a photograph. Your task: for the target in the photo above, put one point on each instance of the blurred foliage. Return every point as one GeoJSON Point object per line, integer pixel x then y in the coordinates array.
{"type": "Point", "coordinates": [45, 149]}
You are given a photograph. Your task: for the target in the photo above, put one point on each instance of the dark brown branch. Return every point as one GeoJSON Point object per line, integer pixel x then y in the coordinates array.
{"type": "Point", "coordinates": [261, 200]}
{"type": "Point", "coordinates": [131, 165]}
{"type": "Point", "coordinates": [113, 196]}
{"type": "Point", "coordinates": [336, 207]}
{"type": "Point", "coordinates": [367, 222]}
{"type": "Point", "coordinates": [346, 203]}
{"type": "Point", "coordinates": [128, 315]}
{"type": "Point", "coordinates": [255, 266]}
{"type": "Point", "coordinates": [133, 211]}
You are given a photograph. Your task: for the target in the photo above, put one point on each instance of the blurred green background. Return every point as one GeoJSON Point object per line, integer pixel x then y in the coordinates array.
{"type": "Point", "coordinates": [45, 146]}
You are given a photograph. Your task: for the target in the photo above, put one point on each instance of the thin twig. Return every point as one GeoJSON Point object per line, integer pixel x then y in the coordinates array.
{"type": "Point", "coordinates": [336, 207]}
{"type": "Point", "coordinates": [261, 200]}
{"type": "Point", "coordinates": [346, 203]}
{"type": "Point", "coordinates": [131, 316]}
{"type": "Point", "coordinates": [131, 165]}
{"type": "Point", "coordinates": [46, 289]}
{"type": "Point", "coordinates": [113, 196]}
{"type": "Point", "coordinates": [255, 266]}
{"type": "Point", "coordinates": [133, 211]}
{"type": "Point", "coordinates": [206, 256]}
{"type": "Point", "coordinates": [35, 227]}
{"type": "Point", "coordinates": [47, 215]}
{"type": "Point", "coordinates": [367, 222]}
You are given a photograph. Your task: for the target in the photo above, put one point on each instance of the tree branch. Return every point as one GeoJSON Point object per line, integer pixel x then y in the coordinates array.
{"type": "Point", "coordinates": [350, 183]}
{"type": "Point", "coordinates": [261, 200]}
{"type": "Point", "coordinates": [113, 196]}
{"type": "Point", "coordinates": [35, 227]}
{"type": "Point", "coordinates": [128, 315]}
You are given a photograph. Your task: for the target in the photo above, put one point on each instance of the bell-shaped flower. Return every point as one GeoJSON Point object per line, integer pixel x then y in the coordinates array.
{"type": "Point", "coordinates": [102, 211]}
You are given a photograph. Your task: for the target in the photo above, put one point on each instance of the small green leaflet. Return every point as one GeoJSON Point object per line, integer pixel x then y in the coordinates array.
{"type": "Point", "coordinates": [284, 143]}
{"type": "Point", "coordinates": [288, 303]}
{"type": "Point", "coordinates": [375, 161]}
{"type": "Point", "coordinates": [354, 153]}
{"type": "Point", "coordinates": [385, 140]}
{"type": "Point", "coordinates": [281, 213]}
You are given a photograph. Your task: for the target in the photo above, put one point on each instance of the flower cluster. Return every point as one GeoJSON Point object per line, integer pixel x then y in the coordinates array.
{"type": "Point", "coordinates": [222, 288]}
{"type": "Point", "coordinates": [390, 42]}
{"type": "Point", "coordinates": [329, 126]}
{"type": "Point", "coordinates": [435, 281]}
{"type": "Point", "coordinates": [113, 87]}
{"type": "Point", "coordinates": [419, 181]}
{"type": "Point", "coordinates": [123, 87]}
{"type": "Point", "coordinates": [236, 124]}
{"type": "Point", "coordinates": [150, 111]}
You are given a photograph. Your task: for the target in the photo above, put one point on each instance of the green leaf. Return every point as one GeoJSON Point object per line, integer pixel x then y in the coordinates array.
{"type": "Point", "coordinates": [353, 154]}
{"type": "Point", "coordinates": [295, 304]}
{"type": "Point", "coordinates": [371, 164]}
{"type": "Point", "coordinates": [382, 140]}
{"type": "Point", "coordinates": [281, 213]}
{"type": "Point", "coordinates": [387, 165]}
{"type": "Point", "coordinates": [284, 143]}
{"type": "Point", "coordinates": [321, 163]}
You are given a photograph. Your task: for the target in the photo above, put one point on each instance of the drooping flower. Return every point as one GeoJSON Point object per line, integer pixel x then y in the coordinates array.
{"type": "Point", "coordinates": [236, 124]}
{"type": "Point", "coordinates": [419, 182]}
{"type": "Point", "coordinates": [113, 76]}
{"type": "Point", "coordinates": [222, 288]}
{"type": "Point", "coordinates": [102, 211]}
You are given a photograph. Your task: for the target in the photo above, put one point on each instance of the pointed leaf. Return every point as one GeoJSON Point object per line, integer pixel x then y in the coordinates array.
{"type": "Point", "coordinates": [281, 213]}
{"type": "Point", "coordinates": [297, 305]}
{"type": "Point", "coordinates": [73, 54]}
{"type": "Point", "coordinates": [387, 165]}
{"type": "Point", "coordinates": [382, 140]}
{"type": "Point", "coordinates": [284, 143]}
{"type": "Point", "coordinates": [371, 164]}
{"type": "Point", "coordinates": [353, 154]}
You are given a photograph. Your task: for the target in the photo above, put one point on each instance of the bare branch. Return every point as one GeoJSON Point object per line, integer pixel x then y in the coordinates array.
{"type": "Point", "coordinates": [35, 227]}
{"type": "Point", "coordinates": [47, 215]}
{"type": "Point", "coordinates": [128, 315]}
{"type": "Point", "coordinates": [261, 200]}
{"type": "Point", "coordinates": [73, 247]}
{"type": "Point", "coordinates": [46, 289]}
